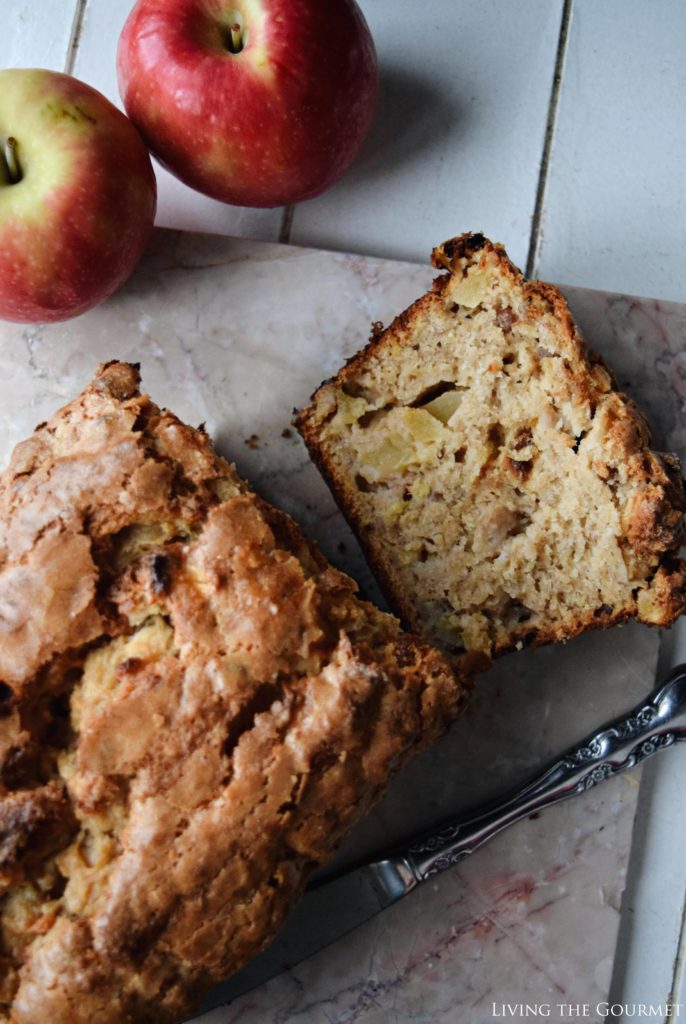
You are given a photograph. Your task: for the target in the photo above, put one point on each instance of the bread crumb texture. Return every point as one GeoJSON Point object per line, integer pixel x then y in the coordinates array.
{"type": "Point", "coordinates": [194, 706]}
{"type": "Point", "coordinates": [504, 491]}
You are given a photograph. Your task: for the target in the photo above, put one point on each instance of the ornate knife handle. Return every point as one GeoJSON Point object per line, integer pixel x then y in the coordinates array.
{"type": "Point", "coordinates": [655, 724]}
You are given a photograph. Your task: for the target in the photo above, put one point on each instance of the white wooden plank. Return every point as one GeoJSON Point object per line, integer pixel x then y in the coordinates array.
{"type": "Point", "coordinates": [613, 214]}
{"type": "Point", "coordinates": [178, 206]}
{"type": "Point", "coordinates": [653, 905]}
{"type": "Point", "coordinates": [678, 993]}
{"type": "Point", "coordinates": [459, 133]}
{"type": "Point", "coordinates": [36, 34]}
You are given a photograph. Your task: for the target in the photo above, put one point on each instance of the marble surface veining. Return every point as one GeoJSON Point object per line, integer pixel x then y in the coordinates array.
{"type": "Point", "coordinates": [236, 334]}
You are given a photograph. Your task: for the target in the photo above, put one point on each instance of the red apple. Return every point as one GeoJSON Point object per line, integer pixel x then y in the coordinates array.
{"type": "Point", "coordinates": [77, 196]}
{"type": "Point", "coordinates": [254, 102]}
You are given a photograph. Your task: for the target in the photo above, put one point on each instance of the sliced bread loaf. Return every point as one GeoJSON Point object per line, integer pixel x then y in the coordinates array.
{"type": "Point", "coordinates": [504, 490]}
{"type": "Point", "coordinates": [194, 707]}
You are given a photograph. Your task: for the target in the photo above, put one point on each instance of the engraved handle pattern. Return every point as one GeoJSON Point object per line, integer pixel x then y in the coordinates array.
{"type": "Point", "coordinates": [645, 749]}
{"type": "Point", "coordinates": [631, 727]}
{"type": "Point", "coordinates": [659, 722]}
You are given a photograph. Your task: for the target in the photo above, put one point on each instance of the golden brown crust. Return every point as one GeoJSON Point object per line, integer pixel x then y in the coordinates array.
{"type": "Point", "coordinates": [650, 497]}
{"type": "Point", "coordinates": [195, 707]}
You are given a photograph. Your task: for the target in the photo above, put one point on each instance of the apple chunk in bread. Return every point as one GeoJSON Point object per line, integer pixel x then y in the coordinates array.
{"type": "Point", "coordinates": [504, 490]}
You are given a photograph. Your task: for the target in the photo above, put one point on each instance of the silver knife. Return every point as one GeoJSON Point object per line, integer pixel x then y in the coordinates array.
{"type": "Point", "coordinates": [333, 908]}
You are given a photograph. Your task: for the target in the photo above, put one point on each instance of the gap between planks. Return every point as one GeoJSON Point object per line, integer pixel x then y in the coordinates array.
{"type": "Point", "coordinates": [286, 224]}
{"type": "Point", "coordinates": [75, 37]}
{"type": "Point", "coordinates": [534, 241]}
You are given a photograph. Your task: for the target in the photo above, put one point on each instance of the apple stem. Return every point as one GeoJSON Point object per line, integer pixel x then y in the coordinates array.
{"type": "Point", "coordinates": [11, 162]}
{"type": "Point", "coordinates": [236, 38]}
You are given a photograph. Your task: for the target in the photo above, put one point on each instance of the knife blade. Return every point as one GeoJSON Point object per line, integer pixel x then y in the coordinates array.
{"type": "Point", "coordinates": [337, 906]}
{"type": "Point", "coordinates": [322, 916]}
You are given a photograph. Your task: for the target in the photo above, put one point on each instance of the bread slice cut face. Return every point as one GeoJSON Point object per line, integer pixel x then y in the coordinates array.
{"type": "Point", "coordinates": [504, 490]}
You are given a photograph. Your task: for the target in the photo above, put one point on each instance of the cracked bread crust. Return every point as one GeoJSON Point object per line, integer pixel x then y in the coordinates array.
{"type": "Point", "coordinates": [504, 491]}
{"type": "Point", "coordinates": [194, 707]}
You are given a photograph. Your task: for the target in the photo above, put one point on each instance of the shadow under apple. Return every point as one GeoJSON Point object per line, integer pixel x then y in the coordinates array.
{"type": "Point", "coordinates": [412, 116]}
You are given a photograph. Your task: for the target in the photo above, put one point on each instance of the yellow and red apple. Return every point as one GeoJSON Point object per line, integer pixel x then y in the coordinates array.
{"type": "Point", "coordinates": [77, 196]}
{"type": "Point", "coordinates": [253, 102]}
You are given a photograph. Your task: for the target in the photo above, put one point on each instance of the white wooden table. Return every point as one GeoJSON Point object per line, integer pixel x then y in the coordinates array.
{"type": "Point", "coordinates": [556, 127]}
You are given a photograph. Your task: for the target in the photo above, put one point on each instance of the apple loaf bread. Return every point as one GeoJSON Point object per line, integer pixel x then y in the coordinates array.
{"type": "Point", "coordinates": [194, 706]}
{"type": "Point", "coordinates": [503, 489]}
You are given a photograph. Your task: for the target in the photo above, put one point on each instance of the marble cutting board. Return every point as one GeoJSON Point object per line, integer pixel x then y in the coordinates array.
{"type": "Point", "coordinates": [236, 334]}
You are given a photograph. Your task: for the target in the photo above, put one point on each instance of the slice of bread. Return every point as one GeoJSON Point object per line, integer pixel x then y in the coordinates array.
{"type": "Point", "coordinates": [194, 707]}
{"type": "Point", "coordinates": [504, 491]}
